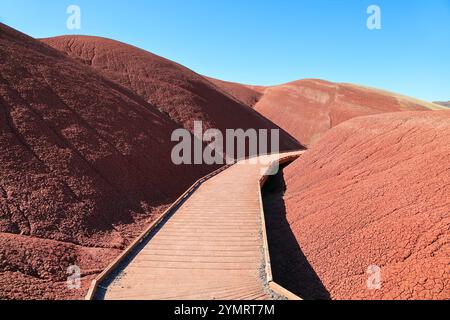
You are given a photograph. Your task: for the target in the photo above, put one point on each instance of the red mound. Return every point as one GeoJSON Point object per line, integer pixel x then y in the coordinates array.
{"type": "Point", "coordinates": [308, 108]}
{"type": "Point", "coordinates": [82, 161]}
{"type": "Point", "coordinates": [249, 95]}
{"type": "Point", "coordinates": [181, 93]}
{"type": "Point", "coordinates": [375, 191]}
{"type": "Point", "coordinates": [33, 268]}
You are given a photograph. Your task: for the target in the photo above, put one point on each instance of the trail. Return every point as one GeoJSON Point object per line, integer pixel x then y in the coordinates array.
{"type": "Point", "coordinates": [210, 245]}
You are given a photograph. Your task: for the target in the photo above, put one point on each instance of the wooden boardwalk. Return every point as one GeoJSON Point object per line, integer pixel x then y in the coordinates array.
{"type": "Point", "coordinates": [211, 247]}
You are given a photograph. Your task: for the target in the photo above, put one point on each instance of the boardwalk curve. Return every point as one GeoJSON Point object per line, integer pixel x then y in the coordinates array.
{"type": "Point", "coordinates": [210, 245]}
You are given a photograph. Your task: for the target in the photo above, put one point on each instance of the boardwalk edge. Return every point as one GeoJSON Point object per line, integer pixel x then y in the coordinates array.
{"type": "Point", "coordinates": [272, 285]}
{"type": "Point", "coordinates": [111, 267]}
{"type": "Point", "coordinates": [275, 287]}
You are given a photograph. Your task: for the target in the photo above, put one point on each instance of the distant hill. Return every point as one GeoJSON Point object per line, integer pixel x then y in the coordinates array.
{"type": "Point", "coordinates": [445, 104]}
{"type": "Point", "coordinates": [308, 108]}
{"type": "Point", "coordinates": [249, 95]}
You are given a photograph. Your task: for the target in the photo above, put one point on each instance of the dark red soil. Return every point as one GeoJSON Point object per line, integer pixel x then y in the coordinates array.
{"type": "Point", "coordinates": [309, 108]}
{"type": "Point", "coordinates": [175, 90]}
{"type": "Point", "coordinates": [83, 162]}
{"type": "Point", "coordinates": [33, 268]}
{"type": "Point", "coordinates": [375, 191]}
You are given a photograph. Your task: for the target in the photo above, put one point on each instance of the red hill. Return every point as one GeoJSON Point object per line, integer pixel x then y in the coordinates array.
{"type": "Point", "coordinates": [374, 191]}
{"type": "Point", "coordinates": [249, 95]}
{"type": "Point", "coordinates": [83, 161]}
{"type": "Point", "coordinates": [308, 108]}
{"type": "Point", "coordinates": [175, 90]}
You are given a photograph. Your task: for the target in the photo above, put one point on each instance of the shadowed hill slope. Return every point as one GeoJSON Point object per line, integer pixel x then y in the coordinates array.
{"type": "Point", "coordinates": [175, 90]}
{"type": "Point", "coordinates": [374, 191]}
{"type": "Point", "coordinates": [82, 161]}
{"type": "Point", "coordinates": [249, 95]}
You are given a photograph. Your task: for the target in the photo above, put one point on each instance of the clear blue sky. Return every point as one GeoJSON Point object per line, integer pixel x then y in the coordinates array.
{"type": "Point", "coordinates": [270, 41]}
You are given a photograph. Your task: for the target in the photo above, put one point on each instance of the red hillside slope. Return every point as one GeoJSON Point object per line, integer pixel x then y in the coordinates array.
{"type": "Point", "coordinates": [82, 161]}
{"type": "Point", "coordinates": [375, 191]}
{"type": "Point", "coordinates": [308, 108]}
{"type": "Point", "coordinates": [181, 93]}
{"type": "Point", "coordinates": [249, 95]}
